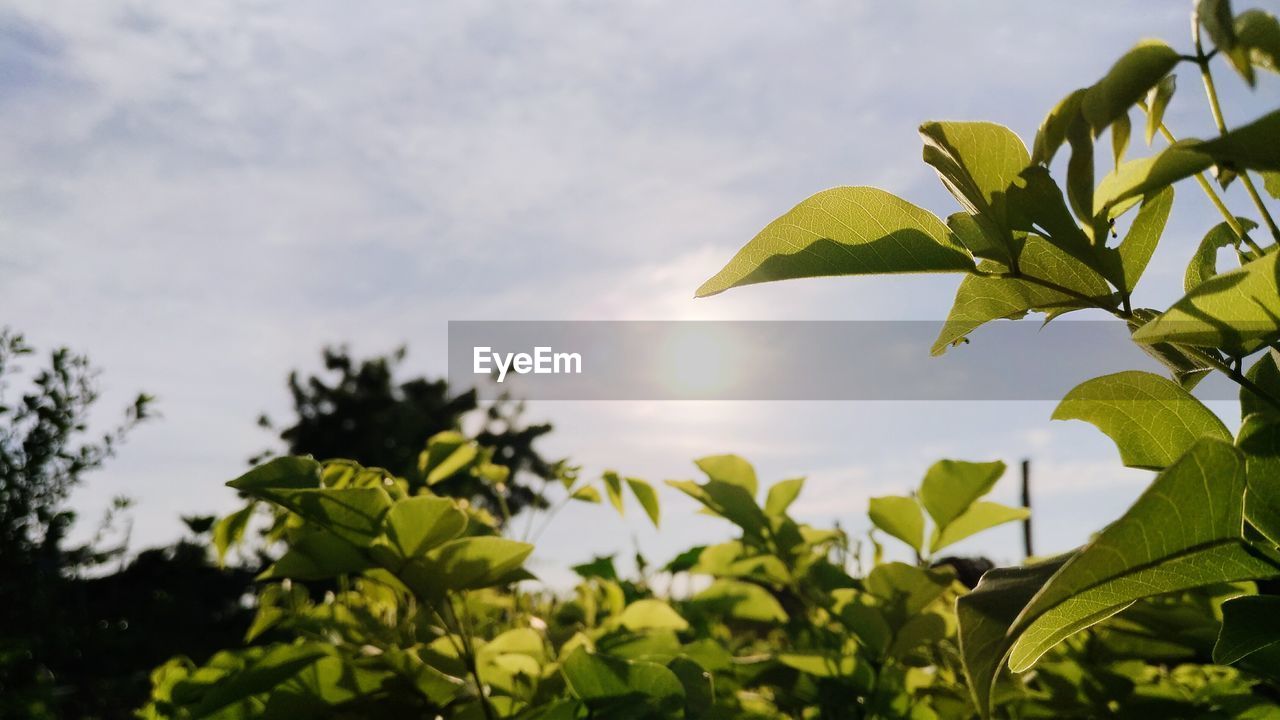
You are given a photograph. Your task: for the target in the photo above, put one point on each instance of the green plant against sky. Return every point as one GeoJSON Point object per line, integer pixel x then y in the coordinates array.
{"type": "Point", "coordinates": [390, 599]}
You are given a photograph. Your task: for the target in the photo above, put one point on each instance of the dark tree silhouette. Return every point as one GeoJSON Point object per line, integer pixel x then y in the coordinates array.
{"type": "Point", "coordinates": [358, 409]}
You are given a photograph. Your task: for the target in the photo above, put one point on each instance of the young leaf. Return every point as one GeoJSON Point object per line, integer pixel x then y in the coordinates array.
{"type": "Point", "coordinates": [317, 555]}
{"type": "Point", "coordinates": [1120, 131]}
{"type": "Point", "coordinates": [951, 486]}
{"type": "Point", "coordinates": [781, 495]}
{"type": "Point", "coordinates": [281, 472]}
{"type": "Point", "coordinates": [977, 161]}
{"type": "Point", "coordinates": [1204, 262]}
{"type": "Point", "coordinates": [730, 469]}
{"type": "Point", "coordinates": [586, 493]}
{"type": "Point", "coordinates": [1249, 624]}
{"type": "Point", "coordinates": [1157, 102]}
{"type": "Point", "coordinates": [981, 299]}
{"type": "Point", "coordinates": [613, 486]}
{"type": "Point", "coordinates": [465, 564]}
{"type": "Point", "coordinates": [844, 231]}
{"type": "Point", "coordinates": [1140, 242]}
{"type": "Point", "coordinates": [1053, 129]}
{"type": "Point", "coordinates": [1183, 532]}
{"type": "Point", "coordinates": [418, 524]}
{"type": "Point", "coordinates": [647, 497]}
{"type": "Point", "coordinates": [900, 517]}
{"type": "Point", "coordinates": [1144, 176]}
{"type": "Point", "coordinates": [728, 500]}
{"type": "Point", "coordinates": [1128, 80]}
{"type": "Point", "coordinates": [1152, 420]}
{"type": "Point", "coordinates": [447, 454]}
{"type": "Point", "coordinates": [1237, 311]}
{"type": "Point", "coordinates": [353, 514]}
{"type": "Point", "coordinates": [650, 614]}
{"type": "Point", "coordinates": [821, 665]}
{"type": "Point", "coordinates": [1036, 206]}
{"type": "Point", "coordinates": [229, 531]}
{"type": "Point", "coordinates": [906, 589]}
{"type": "Point", "coordinates": [980, 516]}
{"type": "Point", "coordinates": [1259, 32]}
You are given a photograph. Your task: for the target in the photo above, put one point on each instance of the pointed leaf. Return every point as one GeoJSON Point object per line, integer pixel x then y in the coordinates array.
{"type": "Point", "coordinates": [447, 454]}
{"type": "Point", "coordinates": [586, 493]}
{"type": "Point", "coordinates": [1120, 131]}
{"type": "Point", "coordinates": [1251, 146]}
{"type": "Point", "coordinates": [980, 516]}
{"type": "Point", "coordinates": [729, 469]}
{"type": "Point", "coordinates": [951, 486]}
{"type": "Point", "coordinates": [844, 231]}
{"type": "Point", "coordinates": [1260, 442]}
{"type": "Point", "coordinates": [1127, 82]}
{"type": "Point", "coordinates": [1265, 374]}
{"type": "Point", "coordinates": [1259, 32]}
{"type": "Point", "coordinates": [1157, 102]}
{"type": "Point", "coordinates": [647, 497]}
{"type": "Point", "coordinates": [900, 517]}
{"type": "Point", "coordinates": [730, 501]}
{"type": "Point", "coordinates": [417, 524]}
{"type": "Point", "coordinates": [1152, 420]}
{"type": "Point", "coordinates": [1136, 178]}
{"type": "Point", "coordinates": [229, 531]}
{"type": "Point", "coordinates": [977, 161]}
{"type": "Point", "coordinates": [1237, 311]}
{"type": "Point", "coordinates": [1144, 234]}
{"type": "Point", "coordinates": [1204, 263]}
{"type": "Point", "coordinates": [281, 472]}
{"type": "Point", "coordinates": [465, 564]}
{"type": "Point", "coordinates": [781, 495]}
{"type": "Point", "coordinates": [613, 487]}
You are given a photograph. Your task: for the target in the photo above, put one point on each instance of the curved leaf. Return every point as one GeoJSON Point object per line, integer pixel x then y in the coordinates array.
{"type": "Point", "coordinates": [1204, 262]}
{"type": "Point", "coordinates": [980, 516]}
{"type": "Point", "coordinates": [647, 497]}
{"type": "Point", "coordinates": [1139, 243]}
{"type": "Point", "coordinates": [900, 517]}
{"type": "Point", "coordinates": [1249, 624]}
{"type": "Point", "coordinates": [951, 486]}
{"type": "Point", "coordinates": [1127, 82]}
{"type": "Point", "coordinates": [1152, 420]}
{"type": "Point", "coordinates": [844, 231]}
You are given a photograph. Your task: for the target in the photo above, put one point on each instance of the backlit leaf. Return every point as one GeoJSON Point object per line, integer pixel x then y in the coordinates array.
{"type": "Point", "coordinates": [418, 524]}
{"type": "Point", "coordinates": [844, 231]}
{"type": "Point", "coordinates": [1152, 420]}
{"type": "Point", "coordinates": [900, 517]}
{"type": "Point", "coordinates": [1204, 262]}
{"type": "Point", "coordinates": [1144, 233]}
{"type": "Point", "coordinates": [647, 497]}
{"type": "Point", "coordinates": [651, 614]}
{"type": "Point", "coordinates": [1157, 102]}
{"type": "Point", "coordinates": [1127, 82]}
{"type": "Point", "coordinates": [951, 486]}
{"type": "Point", "coordinates": [980, 516]}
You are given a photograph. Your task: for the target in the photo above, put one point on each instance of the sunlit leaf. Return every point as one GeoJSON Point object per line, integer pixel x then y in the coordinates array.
{"type": "Point", "coordinates": [613, 487]}
{"type": "Point", "coordinates": [844, 231]}
{"type": "Point", "coordinates": [651, 614]}
{"type": "Point", "coordinates": [741, 601]}
{"type": "Point", "coordinates": [418, 524]}
{"type": "Point", "coordinates": [1204, 262]}
{"type": "Point", "coordinates": [447, 454]}
{"type": "Point", "coordinates": [1127, 82]}
{"type": "Point", "coordinates": [1157, 102]}
{"type": "Point", "coordinates": [647, 497]}
{"type": "Point", "coordinates": [1120, 131]}
{"type": "Point", "coordinates": [1152, 420]}
{"type": "Point", "coordinates": [980, 516]}
{"type": "Point", "coordinates": [951, 486]}
{"type": "Point", "coordinates": [1139, 243]}
{"type": "Point", "coordinates": [900, 517]}
{"type": "Point", "coordinates": [781, 495]}
{"type": "Point", "coordinates": [730, 469]}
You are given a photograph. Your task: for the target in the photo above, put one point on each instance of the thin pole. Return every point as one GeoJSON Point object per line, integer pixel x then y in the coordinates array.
{"type": "Point", "coordinates": [1026, 503]}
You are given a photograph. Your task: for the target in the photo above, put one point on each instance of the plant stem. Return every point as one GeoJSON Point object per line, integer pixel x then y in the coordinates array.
{"type": "Point", "coordinates": [1215, 109]}
{"type": "Point", "coordinates": [1093, 302]}
{"type": "Point", "coordinates": [469, 656]}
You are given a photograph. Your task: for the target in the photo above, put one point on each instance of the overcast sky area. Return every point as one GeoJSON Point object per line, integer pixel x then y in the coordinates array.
{"type": "Point", "coordinates": [201, 195]}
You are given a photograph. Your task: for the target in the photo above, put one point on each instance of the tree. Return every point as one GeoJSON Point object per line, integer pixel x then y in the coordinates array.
{"type": "Point", "coordinates": [359, 410]}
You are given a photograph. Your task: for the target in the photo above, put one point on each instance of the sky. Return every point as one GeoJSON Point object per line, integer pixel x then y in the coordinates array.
{"type": "Point", "coordinates": [201, 195]}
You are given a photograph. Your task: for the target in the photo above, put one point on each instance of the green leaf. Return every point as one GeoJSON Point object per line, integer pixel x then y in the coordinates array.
{"type": "Point", "coordinates": [781, 495]}
{"type": "Point", "coordinates": [613, 487]}
{"type": "Point", "coordinates": [1157, 102]}
{"type": "Point", "coordinates": [229, 531]}
{"type": "Point", "coordinates": [467, 563]}
{"type": "Point", "coordinates": [650, 614]}
{"type": "Point", "coordinates": [1271, 181]}
{"type": "Point", "coordinates": [1036, 206]}
{"type": "Point", "coordinates": [317, 555]}
{"type": "Point", "coordinates": [985, 617]}
{"type": "Point", "coordinates": [844, 231]}
{"type": "Point", "coordinates": [1128, 80]}
{"type": "Point", "coordinates": [1136, 178]}
{"type": "Point", "coordinates": [1080, 170]}
{"type": "Point", "coordinates": [1152, 420]}
{"type": "Point", "coordinates": [1140, 241]}
{"type": "Point", "coordinates": [1204, 263]}
{"type": "Point", "coordinates": [601, 567]}
{"type": "Point", "coordinates": [447, 454]}
{"type": "Point", "coordinates": [1259, 32]}
{"type": "Point", "coordinates": [730, 501]}
{"type": "Point", "coordinates": [900, 517]}
{"type": "Point", "coordinates": [647, 497]}
{"type": "Point", "coordinates": [730, 469]}
{"type": "Point", "coordinates": [982, 299]}
{"type": "Point", "coordinates": [978, 161]}
{"type": "Point", "coordinates": [699, 687]}
{"type": "Point", "coordinates": [1053, 129]}
{"type": "Point", "coordinates": [1120, 131]}
{"type": "Point", "coordinates": [951, 486]}
{"type": "Point", "coordinates": [353, 514]}
{"type": "Point", "coordinates": [1259, 440]}
{"type": "Point", "coordinates": [586, 493]}
{"type": "Point", "coordinates": [906, 589]}
{"type": "Point", "coordinates": [1249, 624]}
{"type": "Point", "coordinates": [418, 524]}
{"type": "Point", "coordinates": [1251, 146]}
{"type": "Point", "coordinates": [1265, 374]}
{"type": "Point", "coordinates": [822, 665]}
{"type": "Point", "coordinates": [597, 678]}
{"type": "Point", "coordinates": [1237, 311]}
{"type": "Point", "coordinates": [276, 665]}
{"type": "Point", "coordinates": [1216, 16]}
{"type": "Point", "coordinates": [980, 516]}
{"type": "Point", "coordinates": [281, 472]}
{"type": "Point", "coordinates": [1183, 532]}
{"type": "Point", "coordinates": [741, 601]}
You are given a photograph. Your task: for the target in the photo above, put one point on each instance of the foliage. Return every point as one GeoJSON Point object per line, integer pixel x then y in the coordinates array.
{"type": "Point", "coordinates": [393, 599]}
{"type": "Point", "coordinates": [360, 410]}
